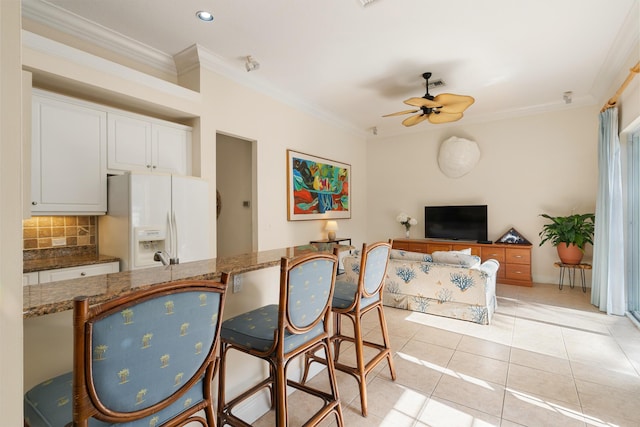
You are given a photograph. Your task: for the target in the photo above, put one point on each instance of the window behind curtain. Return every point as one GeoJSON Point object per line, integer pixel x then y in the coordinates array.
{"type": "Point", "coordinates": [633, 224]}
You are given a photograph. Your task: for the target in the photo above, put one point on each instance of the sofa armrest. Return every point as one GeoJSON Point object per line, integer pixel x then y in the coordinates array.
{"type": "Point", "coordinates": [490, 266]}
{"type": "Point", "coordinates": [351, 269]}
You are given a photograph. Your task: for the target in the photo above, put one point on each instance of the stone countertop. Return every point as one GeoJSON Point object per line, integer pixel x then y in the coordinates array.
{"type": "Point", "coordinates": [54, 297]}
{"type": "Point", "coordinates": [52, 263]}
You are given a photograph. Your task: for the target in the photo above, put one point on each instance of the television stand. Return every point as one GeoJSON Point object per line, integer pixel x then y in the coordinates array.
{"type": "Point", "coordinates": [514, 259]}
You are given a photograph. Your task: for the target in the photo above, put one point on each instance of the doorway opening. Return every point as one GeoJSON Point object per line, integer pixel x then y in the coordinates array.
{"type": "Point", "coordinates": [236, 196]}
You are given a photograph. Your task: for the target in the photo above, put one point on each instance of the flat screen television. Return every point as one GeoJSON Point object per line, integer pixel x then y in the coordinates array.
{"type": "Point", "coordinates": [467, 222]}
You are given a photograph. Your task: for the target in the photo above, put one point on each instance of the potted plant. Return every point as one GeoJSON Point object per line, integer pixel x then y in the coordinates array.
{"type": "Point", "coordinates": [569, 234]}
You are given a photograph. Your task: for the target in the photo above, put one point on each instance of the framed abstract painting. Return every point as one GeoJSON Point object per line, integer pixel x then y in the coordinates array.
{"type": "Point", "coordinates": [317, 188]}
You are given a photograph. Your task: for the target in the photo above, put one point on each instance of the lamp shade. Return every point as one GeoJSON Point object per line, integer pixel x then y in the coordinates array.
{"type": "Point", "coordinates": [331, 227]}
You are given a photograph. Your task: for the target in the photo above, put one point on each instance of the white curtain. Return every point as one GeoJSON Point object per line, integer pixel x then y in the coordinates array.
{"type": "Point", "coordinates": [608, 286]}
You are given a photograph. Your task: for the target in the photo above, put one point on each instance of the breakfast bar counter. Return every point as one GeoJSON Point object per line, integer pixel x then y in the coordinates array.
{"type": "Point", "coordinates": [55, 297]}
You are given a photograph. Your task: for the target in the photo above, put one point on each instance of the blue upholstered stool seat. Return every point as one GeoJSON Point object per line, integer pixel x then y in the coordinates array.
{"type": "Point", "coordinates": [255, 330]}
{"type": "Point", "coordinates": [346, 292]}
{"type": "Point", "coordinates": [41, 411]}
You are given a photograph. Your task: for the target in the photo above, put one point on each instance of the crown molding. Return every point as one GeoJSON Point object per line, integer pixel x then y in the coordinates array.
{"type": "Point", "coordinates": [62, 20]}
{"type": "Point", "coordinates": [238, 73]}
{"type": "Point", "coordinates": [55, 49]}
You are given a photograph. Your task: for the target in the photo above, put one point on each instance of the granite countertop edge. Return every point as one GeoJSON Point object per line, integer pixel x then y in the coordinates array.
{"type": "Point", "coordinates": [35, 265]}
{"type": "Point", "coordinates": [54, 297]}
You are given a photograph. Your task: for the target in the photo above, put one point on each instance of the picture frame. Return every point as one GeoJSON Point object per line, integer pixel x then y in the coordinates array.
{"type": "Point", "coordinates": [317, 188]}
{"type": "Point", "coordinates": [513, 237]}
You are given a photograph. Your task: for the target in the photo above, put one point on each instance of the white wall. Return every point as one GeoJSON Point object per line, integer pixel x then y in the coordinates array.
{"type": "Point", "coordinates": [11, 214]}
{"type": "Point", "coordinates": [544, 163]}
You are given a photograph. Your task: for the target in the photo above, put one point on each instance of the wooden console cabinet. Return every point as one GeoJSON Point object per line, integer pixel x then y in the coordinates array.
{"type": "Point", "coordinates": [515, 260]}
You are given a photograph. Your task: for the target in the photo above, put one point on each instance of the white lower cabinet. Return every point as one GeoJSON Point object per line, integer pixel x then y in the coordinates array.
{"type": "Point", "coordinates": [47, 276]}
{"type": "Point", "coordinates": [30, 278]}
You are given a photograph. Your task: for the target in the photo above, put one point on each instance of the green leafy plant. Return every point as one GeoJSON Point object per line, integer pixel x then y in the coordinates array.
{"type": "Point", "coordinates": [577, 229]}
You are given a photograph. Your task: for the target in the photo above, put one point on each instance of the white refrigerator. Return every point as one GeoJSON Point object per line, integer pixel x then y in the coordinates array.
{"type": "Point", "coordinates": [150, 213]}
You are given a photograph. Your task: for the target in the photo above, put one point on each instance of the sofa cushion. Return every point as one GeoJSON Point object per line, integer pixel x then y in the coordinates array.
{"type": "Point", "coordinates": [409, 256]}
{"type": "Point", "coordinates": [466, 251]}
{"type": "Point", "coordinates": [455, 258]}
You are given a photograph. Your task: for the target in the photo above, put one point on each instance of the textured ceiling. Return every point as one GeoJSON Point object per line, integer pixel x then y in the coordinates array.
{"type": "Point", "coordinates": [356, 63]}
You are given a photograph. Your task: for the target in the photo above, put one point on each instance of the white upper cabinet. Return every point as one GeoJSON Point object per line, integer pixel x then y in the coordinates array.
{"type": "Point", "coordinates": [139, 143]}
{"type": "Point", "coordinates": [68, 168]}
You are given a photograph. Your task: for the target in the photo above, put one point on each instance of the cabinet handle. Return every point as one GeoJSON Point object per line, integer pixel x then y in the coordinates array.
{"type": "Point", "coordinates": [154, 166]}
{"type": "Point", "coordinates": [34, 203]}
{"type": "Point", "coordinates": [148, 166]}
{"type": "Point", "coordinates": [83, 274]}
{"type": "Point", "coordinates": [517, 256]}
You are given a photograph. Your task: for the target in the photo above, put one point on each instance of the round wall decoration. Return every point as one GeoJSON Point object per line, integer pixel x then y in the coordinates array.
{"type": "Point", "coordinates": [458, 156]}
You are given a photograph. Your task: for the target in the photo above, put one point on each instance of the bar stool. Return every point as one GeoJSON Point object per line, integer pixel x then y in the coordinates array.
{"type": "Point", "coordinates": [278, 333]}
{"type": "Point", "coordinates": [353, 301]}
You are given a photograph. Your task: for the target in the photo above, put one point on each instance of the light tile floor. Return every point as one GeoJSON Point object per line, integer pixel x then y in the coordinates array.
{"type": "Point", "coordinates": [549, 358]}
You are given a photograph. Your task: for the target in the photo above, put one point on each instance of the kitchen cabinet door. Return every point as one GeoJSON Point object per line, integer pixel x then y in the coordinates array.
{"type": "Point", "coordinates": [128, 143]}
{"type": "Point", "coordinates": [138, 143]}
{"type": "Point", "coordinates": [30, 278]}
{"type": "Point", "coordinates": [68, 173]}
{"type": "Point", "coordinates": [171, 149]}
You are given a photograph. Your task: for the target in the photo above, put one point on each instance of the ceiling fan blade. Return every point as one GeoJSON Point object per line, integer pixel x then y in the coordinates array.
{"type": "Point", "coordinates": [441, 117]}
{"type": "Point", "coordinates": [414, 120]}
{"type": "Point", "coordinates": [399, 113]}
{"type": "Point", "coordinates": [422, 102]}
{"type": "Point", "coordinates": [453, 103]}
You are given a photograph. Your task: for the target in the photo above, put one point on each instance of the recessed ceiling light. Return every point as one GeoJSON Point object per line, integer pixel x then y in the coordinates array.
{"type": "Point", "coordinates": [203, 15]}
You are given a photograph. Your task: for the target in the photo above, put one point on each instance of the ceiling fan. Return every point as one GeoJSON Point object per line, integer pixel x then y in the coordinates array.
{"type": "Point", "coordinates": [442, 108]}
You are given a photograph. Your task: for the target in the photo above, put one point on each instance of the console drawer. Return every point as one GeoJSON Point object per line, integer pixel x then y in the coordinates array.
{"type": "Point", "coordinates": [492, 253]}
{"type": "Point", "coordinates": [518, 272]}
{"type": "Point", "coordinates": [518, 256]}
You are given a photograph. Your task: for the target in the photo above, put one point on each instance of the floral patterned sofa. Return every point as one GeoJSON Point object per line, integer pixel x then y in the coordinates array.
{"type": "Point", "coordinates": [453, 284]}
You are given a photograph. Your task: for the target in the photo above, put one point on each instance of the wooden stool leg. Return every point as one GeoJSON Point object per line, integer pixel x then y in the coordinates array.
{"type": "Point", "coordinates": [360, 370]}
{"type": "Point", "coordinates": [281, 394]}
{"type": "Point", "coordinates": [221, 382]}
{"type": "Point", "coordinates": [387, 342]}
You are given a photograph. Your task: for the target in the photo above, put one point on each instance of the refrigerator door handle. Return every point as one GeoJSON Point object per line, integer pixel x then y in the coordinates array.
{"type": "Point", "coordinates": [176, 258]}
{"type": "Point", "coordinates": [171, 247]}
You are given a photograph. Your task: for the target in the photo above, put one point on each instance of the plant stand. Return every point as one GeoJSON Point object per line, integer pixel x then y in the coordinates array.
{"type": "Point", "coordinates": [571, 268]}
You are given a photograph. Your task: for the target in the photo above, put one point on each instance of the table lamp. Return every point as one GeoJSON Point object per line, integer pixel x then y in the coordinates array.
{"type": "Point", "coordinates": [331, 228]}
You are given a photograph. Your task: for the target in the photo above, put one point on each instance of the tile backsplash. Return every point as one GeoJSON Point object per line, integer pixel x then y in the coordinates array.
{"type": "Point", "coordinates": [44, 232]}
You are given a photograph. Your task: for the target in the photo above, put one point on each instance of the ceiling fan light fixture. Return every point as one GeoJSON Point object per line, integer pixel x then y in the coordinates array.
{"type": "Point", "coordinates": [205, 16]}
{"type": "Point", "coordinates": [443, 108]}
{"type": "Point", "coordinates": [366, 2]}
